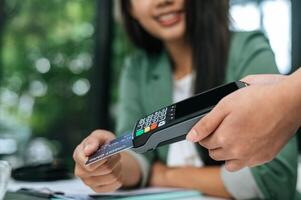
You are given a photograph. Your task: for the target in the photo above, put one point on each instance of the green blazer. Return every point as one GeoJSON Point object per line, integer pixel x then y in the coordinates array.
{"type": "Point", "coordinates": [146, 85]}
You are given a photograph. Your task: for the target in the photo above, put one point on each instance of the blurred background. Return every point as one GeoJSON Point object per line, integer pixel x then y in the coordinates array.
{"type": "Point", "coordinates": [60, 62]}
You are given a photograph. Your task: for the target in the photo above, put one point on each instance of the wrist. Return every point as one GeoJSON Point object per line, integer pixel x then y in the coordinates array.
{"type": "Point", "coordinates": [131, 172]}
{"type": "Point", "coordinates": [168, 177]}
{"type": "Point", "coordinates": [293, 85]}
{"type": "Point", "coordinates": [290, 95]}
{"type": "Point", "coordinates": [164, 179]}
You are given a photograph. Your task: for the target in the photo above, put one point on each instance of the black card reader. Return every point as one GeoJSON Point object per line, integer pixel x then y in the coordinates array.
{"type": "Point", "coordinates": [172, 123]}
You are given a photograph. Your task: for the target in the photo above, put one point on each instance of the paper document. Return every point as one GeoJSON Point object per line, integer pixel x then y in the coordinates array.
{"type": "Point", "coordinates": [76, 189]}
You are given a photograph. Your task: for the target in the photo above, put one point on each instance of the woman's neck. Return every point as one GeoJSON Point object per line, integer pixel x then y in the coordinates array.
{"type": "Point", "coordinates": [180, 53]}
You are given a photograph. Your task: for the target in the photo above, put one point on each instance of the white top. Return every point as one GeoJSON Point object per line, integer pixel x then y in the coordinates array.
{"type": "Point", "coordinates": [183, 153]}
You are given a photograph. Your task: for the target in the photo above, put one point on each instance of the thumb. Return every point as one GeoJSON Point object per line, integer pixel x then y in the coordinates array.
{"type": "Point", "coordinates": [90, 147]}
{"type": "Point", "coordinates": [95, 140]}
{"type": "Point", "coordinates": [207, 124]}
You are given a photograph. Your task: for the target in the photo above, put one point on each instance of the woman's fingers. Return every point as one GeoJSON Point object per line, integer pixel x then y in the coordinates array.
{"type": "Point", "coordinates": [97, 181]}
{"type": "Point", "coordinates": [89, 145]}
{"type": "Point", "coordinates": [80, 159]}
{"type": "Point", "coordinates": [105, 168]}
{"type": "Point", "coordinates": [108, 188]}
{"type": "Point", "coordinates": [95, 140]}
{"type": "Point", "coordinates": [101, 176]}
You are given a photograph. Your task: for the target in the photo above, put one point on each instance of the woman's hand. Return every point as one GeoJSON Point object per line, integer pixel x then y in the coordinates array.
{"type": "Point", "coordinates": [158, 175]}
{"type": "Point", "coordinates": [102, 176]}
{"type": "Point", "coordinates": [205, 179]}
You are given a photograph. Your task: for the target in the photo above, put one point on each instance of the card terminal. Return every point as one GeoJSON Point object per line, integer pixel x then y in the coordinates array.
{"type": "Point", "coordinates": [167, 125]}
{"type": "Point", "coordinates": [172, 123]}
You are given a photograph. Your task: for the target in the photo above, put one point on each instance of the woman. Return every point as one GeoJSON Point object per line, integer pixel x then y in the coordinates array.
{"type": "Point", "coordinates": [184, 47]}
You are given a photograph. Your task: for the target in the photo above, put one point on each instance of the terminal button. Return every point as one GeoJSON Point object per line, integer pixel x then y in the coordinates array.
{"type": "Point", "coordinates": [154, 126]}
{"type": "Point", "coordinates": [161, 123]}
{"type": "Point", "coordinates": [139, 132]}
{"type": "Point", "coordinates": [147, 129]}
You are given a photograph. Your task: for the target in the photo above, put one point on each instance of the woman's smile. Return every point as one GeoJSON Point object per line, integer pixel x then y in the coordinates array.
{"type": "Point", "coordinates": [170, 18]}
{"type": "Point", "coordinates": [163, 20]}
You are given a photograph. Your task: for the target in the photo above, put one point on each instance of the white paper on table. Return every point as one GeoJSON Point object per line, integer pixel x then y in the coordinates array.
{"type": "Point", "coordinates": [72, 186]}
{"type": "Point", "coordinates": [76, 187]}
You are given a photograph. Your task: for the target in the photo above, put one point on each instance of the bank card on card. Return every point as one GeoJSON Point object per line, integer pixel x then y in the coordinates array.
{"type": "Point", "coordinates": [115, 146]}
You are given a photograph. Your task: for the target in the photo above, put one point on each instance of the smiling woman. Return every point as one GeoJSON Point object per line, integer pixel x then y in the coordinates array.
{"type": "Point", "coordinates": [188, 21]}
{"type": "Point", "coordinates": [184, 47]}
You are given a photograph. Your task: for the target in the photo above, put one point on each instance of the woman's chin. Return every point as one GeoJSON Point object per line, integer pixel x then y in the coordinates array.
{"type": "Point", "coordinates": [172, 36]}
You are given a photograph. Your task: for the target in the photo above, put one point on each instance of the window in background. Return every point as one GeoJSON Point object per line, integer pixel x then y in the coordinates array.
{"type": "Point", "coordinates": [271, 16]}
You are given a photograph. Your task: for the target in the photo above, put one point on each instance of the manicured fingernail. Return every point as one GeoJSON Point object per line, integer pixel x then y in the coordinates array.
{"type": "Point", "coordinates": [192, 136]}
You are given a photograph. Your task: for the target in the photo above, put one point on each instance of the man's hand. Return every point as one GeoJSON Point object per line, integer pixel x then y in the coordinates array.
{"type": "Point", "coordinates": [250, 126]}
{"type": "Point", "coordinates": [102, 176]}
{"type": "Point", "coordinates": [264, 79]}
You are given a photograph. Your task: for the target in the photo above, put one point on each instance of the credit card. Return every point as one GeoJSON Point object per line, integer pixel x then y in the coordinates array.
{"type": "Point", "coordinates": [115, 146]}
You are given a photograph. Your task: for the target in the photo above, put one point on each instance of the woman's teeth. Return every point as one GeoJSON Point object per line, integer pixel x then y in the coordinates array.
{"type": "Point", "coordinates": [167, 17]}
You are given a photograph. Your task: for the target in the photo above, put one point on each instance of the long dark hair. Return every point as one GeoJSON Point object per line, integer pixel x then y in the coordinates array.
{"type": "Point", "coordinates": [206, 31]}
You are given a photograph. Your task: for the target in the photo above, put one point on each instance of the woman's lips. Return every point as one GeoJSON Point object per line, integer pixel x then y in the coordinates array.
{"type": "Point", "coordinates": [169, 19]}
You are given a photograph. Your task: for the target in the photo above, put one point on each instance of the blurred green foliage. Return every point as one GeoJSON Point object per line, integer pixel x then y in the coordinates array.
{"type": "Point", "coordinates": [43, 41]}
{"type": "Point", "coordinates": [47, 54]}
